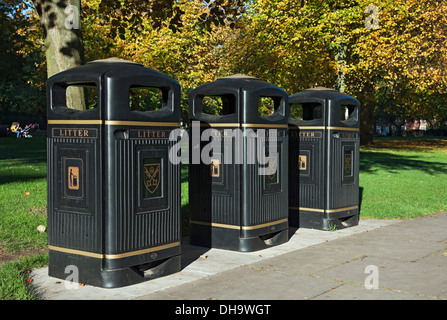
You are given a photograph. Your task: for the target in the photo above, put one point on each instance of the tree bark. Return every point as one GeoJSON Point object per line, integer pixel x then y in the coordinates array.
{"type": "Point", "coordinates": [366, 124]}
{"type": "Point", "coordinates": [61, 22]}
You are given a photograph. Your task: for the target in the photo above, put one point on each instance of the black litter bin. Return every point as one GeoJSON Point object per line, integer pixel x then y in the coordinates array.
{"type": "Point", "coordinates": [323, 159]}
{"type": "Point", "coordinates": [233, 204]}
{"type": "Point", "coordinates": [113, 196]}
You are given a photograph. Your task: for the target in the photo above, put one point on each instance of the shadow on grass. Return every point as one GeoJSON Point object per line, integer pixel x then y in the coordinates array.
{"type": "Point", "coordinates": [19, 157]}
{"type": "Point", "coordinates": [374, 162]}
{"type": "Point", "coordinates": [360, 200]}
{"type": "Point", "coordinates": [409, 143]}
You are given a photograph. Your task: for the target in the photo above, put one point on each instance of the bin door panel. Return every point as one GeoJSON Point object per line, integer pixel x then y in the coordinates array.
{"type": "Point", "coordinates": [343, 176]}
{"type": "Point", "coordinates": [144, 189]}
{"type": "Point", "coordinates": [265, 193]}
{"type": "Point", "coordinates": [74, 212]}
{"type": "Point", "coordinates": [307, 164]}
{"type": "Point", "coordinates": [223, 174]}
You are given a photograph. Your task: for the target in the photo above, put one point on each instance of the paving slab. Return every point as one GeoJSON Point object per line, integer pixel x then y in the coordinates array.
{"type": "Point", "coordinates": [408, 260]}
{"type": "Point", "coordinates": [348, 291]}
{"type": "Point", "coordinates": [405, 277]}
{"type": "Point", "coordinates": [197, 263]}
{"type": "Point", "coordinates": [247, 283]}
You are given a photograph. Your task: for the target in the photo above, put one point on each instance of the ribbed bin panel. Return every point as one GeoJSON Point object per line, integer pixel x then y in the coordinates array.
{"type": "Point", "coordinates": [68, 226]}
{"type": "Point", "coordinates": [136, 226]}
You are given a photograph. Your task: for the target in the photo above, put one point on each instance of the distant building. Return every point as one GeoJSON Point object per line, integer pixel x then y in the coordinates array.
{"type": "Point", "coordinates": [420, 124]}
{"type": "Point", "coordinates": [383, 129]}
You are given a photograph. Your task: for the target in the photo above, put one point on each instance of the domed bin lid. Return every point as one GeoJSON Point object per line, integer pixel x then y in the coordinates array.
{"type": "Point", "coordinates": [113, 79]}
{"type": "Point", "coordinates": [241, 95]}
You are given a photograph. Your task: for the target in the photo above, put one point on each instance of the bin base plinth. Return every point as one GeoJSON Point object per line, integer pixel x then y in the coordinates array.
{"type": "Point", "coordinates": [230, 239]}
{"type": "Point", "coordinates": [90, 270]}
{"type": "Point", "coordinates": [322, 221]}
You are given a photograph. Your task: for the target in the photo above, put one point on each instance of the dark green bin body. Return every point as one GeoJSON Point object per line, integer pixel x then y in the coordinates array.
{"type": "Point", "coordinates": [232, 206]}
{"type": "Point", "coordinates": [113, 195]}
{"type": "Point", "coordinates": [324, 160]}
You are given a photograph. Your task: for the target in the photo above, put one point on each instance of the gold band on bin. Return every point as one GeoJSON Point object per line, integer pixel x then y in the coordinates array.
{"type": "Point", "coordinates": [230, 226]}
{"type": "Point", "coordinates": [116, 123]}
{"type": "Point", "coordinates": [113, 256]}
{"type": "Point", "coordinates": [323, 210]}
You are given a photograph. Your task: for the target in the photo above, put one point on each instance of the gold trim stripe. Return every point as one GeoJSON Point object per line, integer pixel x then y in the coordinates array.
{"type": "Point", "coordinates": [243, 125]}
{"type": "Point", "coordinates": [214, 224]}
{"type": "Point", "coordinates": [254, 125]}
{"type": "Point", "coordinates": [141, 123]}
{"type": "Point", "coordinates": [307, 209]}
{"type": "Point", "coordinates": [308, 127]}
{"type": "Point", "coordinates": [117, 123]}
{"type": "Point", "coordinates": [220, 125]}
{"type": "Point", "coordinates": [264, 224]}
{"type": "Point", "coordinates": [78, 252]}
{"type": "Point", "coordinates": [75, 121]}
{"type": "Point", "coordinates": [343, 128]}
{"type": "Point", "coordinates": [230, 226]}
{"type": "Point", "coordinates": [113, 256]}
{"type": "Point", "coordinates": [293, 127]}
{"type": "Point", "coordinates": [143, 251]}
{"type": "Point", "coordinates": [342, 209]}
{"type": "Point", "coordinates": [322, 210]}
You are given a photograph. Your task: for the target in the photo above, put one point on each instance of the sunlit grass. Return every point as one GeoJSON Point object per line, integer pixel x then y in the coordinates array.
{"type": "Point", "coordinates": [403, 178]}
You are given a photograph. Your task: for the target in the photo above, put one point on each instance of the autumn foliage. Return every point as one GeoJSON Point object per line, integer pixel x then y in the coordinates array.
{"type": "Point", "coordinates": [389, 54]}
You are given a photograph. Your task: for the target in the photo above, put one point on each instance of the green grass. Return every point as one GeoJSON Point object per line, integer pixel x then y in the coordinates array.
{"type": "Point", "coordinates": [23, 189]}
{"type": "Point", "coordinates": [23, 201]}
{"type": "Point", "coordinates": [399, 179]}
{"type": "Point", "coordinates": [13, 276]}
{"type": "Point", "coordinates": [185, 200]}
{"type": "Point", "coordinates": [403, 178]}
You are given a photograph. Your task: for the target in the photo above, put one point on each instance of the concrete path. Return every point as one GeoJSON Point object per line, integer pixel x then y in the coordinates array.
{"type": "Point", "coordinates": [378, 259]}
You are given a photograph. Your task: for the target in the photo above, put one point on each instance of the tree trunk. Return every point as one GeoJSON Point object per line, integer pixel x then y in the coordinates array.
{"type": "Point", "coordinates": [366, 124]}
{"type": "Point", "coordinates": [63, 41]}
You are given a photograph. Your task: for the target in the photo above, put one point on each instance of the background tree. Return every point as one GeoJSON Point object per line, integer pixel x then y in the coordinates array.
{"type": "Point", "coordinates": [21, 86]}
{"type": "Point", "coordinates": [283, 43]}
{"type": "Point", "coordinates": [61, 21]}
{"type": "Point", "coordinates": [395, 65]}
{"type": "Point", "coordinates": [402, 61]}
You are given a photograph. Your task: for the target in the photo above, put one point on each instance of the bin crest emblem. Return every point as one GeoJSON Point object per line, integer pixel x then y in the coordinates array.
{"type": "Point", "coordinates": [348, 164]}
{"type": "Point", "coordinates": [151, 177]}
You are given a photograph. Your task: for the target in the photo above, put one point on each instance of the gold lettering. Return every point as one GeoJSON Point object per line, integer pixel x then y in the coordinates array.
{"type": "Point", "coordinates": [148, 134]}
